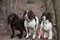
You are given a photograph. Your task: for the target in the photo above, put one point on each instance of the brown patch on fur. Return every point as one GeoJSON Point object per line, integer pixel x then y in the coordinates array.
{"type": "Point", "coordinates": [31, 15]}
{"type": "Point", "coordinates": [48, 16]}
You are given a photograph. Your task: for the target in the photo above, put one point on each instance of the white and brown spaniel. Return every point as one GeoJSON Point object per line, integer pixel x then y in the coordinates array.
{"type": "Point", "coordinates": [31, 22]}
{"type": "Point", "coordinates": [46, 26]}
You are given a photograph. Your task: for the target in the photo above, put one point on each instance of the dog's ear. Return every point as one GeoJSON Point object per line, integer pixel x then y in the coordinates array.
{"type": "Point", "coordinates": [24, 14]}
{"type": "Point", "coordinates": [9, 17]}
{"type": "Point", "coordinates": [31, 14]}
{"type": "Point", "coordinates": [16, 18]}
{"type": "Point", "coordinates": [43, 14]}
{"type": "Point", "coordinates": [49, 16]}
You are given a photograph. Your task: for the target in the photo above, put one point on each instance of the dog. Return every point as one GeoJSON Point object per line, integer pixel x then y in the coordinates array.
{"type": "Point", "coordinates": [31, 22]}
{"type": "Point", "coordinates": [16, 23]}
{"type": "Point", "coordinates": [46, 26]}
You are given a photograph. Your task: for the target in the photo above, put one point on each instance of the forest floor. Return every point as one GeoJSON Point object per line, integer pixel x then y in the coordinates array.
{"type": "Point", "coordinates": [16, 38]}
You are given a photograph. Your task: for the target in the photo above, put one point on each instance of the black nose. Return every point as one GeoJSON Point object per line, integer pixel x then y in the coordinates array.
{"type": "Point", "coordinates": [24, 17]}
{"type": "Point", "coordinates": [42, 18]}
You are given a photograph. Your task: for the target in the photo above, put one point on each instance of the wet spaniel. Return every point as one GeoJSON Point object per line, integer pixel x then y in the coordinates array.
{"type": "Point", "coordinates": [46, 26]}
{"type": "Point", "coordinates": [16, 23]}
{"type": "Point", "coordinates": [31, 22]}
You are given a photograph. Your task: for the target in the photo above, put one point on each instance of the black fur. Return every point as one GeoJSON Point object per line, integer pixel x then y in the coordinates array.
{"type": "Point", "coordinates": [17, 24]}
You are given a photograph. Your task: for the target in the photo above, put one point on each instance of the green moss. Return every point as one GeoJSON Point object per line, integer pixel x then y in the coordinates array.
{"type": "Point", "coordinates": [29, 1]}
{"type": "Point", "coordinates": [1, 1]}
{"type": "Point", "coordinates": [43, 5]}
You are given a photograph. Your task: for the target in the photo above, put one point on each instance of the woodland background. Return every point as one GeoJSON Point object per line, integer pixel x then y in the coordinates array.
{"type": "Point", "coordinates": [17, 6]}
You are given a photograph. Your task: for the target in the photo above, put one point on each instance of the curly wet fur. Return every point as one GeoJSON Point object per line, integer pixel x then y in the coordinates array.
{"type": "Point", "coordinates": [17, 24]}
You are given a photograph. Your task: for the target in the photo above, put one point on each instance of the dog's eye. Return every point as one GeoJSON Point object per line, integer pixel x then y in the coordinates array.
{"type": "Point", "coordinates": [13, 16]}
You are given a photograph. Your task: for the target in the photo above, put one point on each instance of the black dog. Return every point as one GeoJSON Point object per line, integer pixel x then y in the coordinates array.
{"type": "Point", "coordinates": [16, 24]}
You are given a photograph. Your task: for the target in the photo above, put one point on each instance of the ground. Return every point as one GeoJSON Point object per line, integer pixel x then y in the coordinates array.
{"type": "Point", "coordinates": [16, 38]}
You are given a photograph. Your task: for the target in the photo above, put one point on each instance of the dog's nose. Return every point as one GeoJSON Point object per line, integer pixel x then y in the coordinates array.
{"type": "Point", "coordinates": [11, 18]}
{"type": "Point", "coordinates": [42, 18]}
{"type": "Point", "coordinates": [25, 17]}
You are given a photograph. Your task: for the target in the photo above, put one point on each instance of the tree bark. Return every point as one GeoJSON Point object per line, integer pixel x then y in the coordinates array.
{"type": "Point", "coordinates": [57, 10]}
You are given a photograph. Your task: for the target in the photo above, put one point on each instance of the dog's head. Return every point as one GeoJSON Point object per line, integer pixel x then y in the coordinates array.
{"type": "Point", "coordinates": [12, 18]}
{"type": "Point", "coordinates": [29, 15]}
{"type": "Point", "coordinates": [46, 16]}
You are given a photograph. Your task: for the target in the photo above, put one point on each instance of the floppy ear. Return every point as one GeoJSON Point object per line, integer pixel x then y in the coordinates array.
{"type": "Point", "coordinates": [31, 14]}
{"type": "Point", "coordinates": [9, 16]}
{"type": "Point", "coordinates": [24, 11]}
{"type": "Point", "coordinates": [16, 18]}
{"type": "Point", "coordinates": [43, 15]}
{"type": "Point", "coordinates": [24, 14]}
{"type": "Point", "coordinates": [49, 17]}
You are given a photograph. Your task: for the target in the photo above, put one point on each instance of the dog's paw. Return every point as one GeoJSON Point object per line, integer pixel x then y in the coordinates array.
{"type": "Point", "coordinates": [12, 36]}
{"type": "Point", "coordinates": [20, 37]}
{"type": "Point", "coordinates": [33, 39]}
{"type": "Point", "coordinates": [24, 35]}
{"type": "Point", "coordinates": [34, 36]}
{"type": "Point", "coordinates": [27, 37]}
{"type": "Point", "coordinates": [38, 37]}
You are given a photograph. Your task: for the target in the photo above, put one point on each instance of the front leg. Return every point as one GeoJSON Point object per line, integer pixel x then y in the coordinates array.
{"type": "Point", "coordinates": [50, 34]}
{"type": "Point", "coordinates": [21, 33]}
{"type": "Point", "coordinates": [34, 34]}
{"type": "Point", "coordinates": [40, 33]}
{"type": "Point", "coordinates": [12, 31]}
{"type": "Point", "coordinates": [27, 32]}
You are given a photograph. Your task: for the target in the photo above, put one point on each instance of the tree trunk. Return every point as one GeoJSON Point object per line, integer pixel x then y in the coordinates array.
{"type": "Point", "coordinates": [57, 9]}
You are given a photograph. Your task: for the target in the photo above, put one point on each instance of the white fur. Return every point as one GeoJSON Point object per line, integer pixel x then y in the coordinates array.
{"type": "Point", "coordinates": [44, 18]}
{"type": "Point", "coordinates": [47, 29]}
{"type": "Point", "coordinates": [31, 24]}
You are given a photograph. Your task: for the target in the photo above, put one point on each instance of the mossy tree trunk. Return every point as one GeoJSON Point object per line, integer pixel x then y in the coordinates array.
{"type": "Point", "coordinates": [57, 9]}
